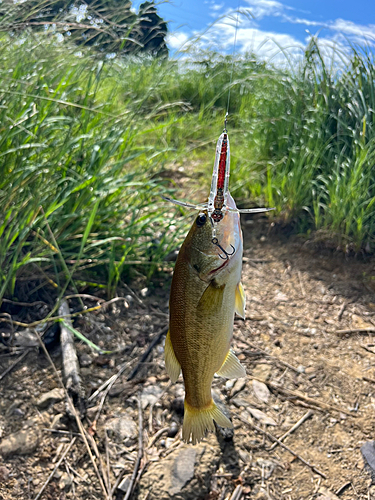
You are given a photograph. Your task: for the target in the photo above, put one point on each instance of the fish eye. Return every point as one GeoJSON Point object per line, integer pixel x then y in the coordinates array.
{"type": "Point", "coordinates": [201, 220]}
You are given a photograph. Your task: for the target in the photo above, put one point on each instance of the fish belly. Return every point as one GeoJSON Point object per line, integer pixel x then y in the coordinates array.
{"type": "Point", "coordinates": [201, 326]}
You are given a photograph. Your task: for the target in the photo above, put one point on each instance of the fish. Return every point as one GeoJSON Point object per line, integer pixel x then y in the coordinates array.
{"type": "Point", "coordinates": [206, 291]}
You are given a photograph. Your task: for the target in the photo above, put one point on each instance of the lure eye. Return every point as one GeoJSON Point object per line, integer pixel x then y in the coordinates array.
{"type": "Point", "coordinates": [201, 220]}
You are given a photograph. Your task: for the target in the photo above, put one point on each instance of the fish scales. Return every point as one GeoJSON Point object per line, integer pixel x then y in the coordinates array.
{"type": "Point", "coordinates": [205, 293]}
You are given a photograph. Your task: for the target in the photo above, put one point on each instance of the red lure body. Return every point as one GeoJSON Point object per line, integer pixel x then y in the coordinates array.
{"type": "Point", "coordinates": [217, 214]}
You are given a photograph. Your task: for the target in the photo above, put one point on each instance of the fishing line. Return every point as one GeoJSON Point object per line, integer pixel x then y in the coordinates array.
{"type": "Point", "coordinates": [233, 59]}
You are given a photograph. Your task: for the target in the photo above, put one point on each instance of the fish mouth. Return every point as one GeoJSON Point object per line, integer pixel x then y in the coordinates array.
{"type": "Point", "coordinates": [220, 267]}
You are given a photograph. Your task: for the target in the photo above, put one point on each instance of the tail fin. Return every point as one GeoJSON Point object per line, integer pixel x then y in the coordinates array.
{"type": "Point", "coordinates": [197, 421]}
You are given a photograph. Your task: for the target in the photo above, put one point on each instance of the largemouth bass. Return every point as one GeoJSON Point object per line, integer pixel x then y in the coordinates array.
{"type": "Point", "coordinates": [205, 293]}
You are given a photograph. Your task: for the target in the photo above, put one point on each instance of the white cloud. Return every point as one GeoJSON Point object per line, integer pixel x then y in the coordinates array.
{"type": "Point", "coordinates": [177, 39]}
{"type": "Point", "coordinates": [267, 45]}
{"type": "Point", "coordinates": [263, 8]}
{"type": "Point", "coordinates": [279, 47]}
{"type": "Point", "coordinates": [350, 28]}
{"type": "Point", "coordinates": [216, 6]}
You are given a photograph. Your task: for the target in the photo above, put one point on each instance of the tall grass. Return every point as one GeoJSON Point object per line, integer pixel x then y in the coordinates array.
{"type": "Point", "coordinates": [83, 141]}
{"type": "Point", "coordinates": [314, 137]}
{"type": "Point", "coordinates": [77, 195]}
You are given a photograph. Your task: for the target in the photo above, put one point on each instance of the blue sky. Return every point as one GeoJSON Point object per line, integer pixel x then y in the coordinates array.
{"type": "Point", "coordinates": [288, 23]}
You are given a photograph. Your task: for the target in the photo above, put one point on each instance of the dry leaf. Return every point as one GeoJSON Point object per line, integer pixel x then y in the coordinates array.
{"type": "Point", "coordinates": [261, 391]}
{"type": "Point", "coordinates": [261, 416]}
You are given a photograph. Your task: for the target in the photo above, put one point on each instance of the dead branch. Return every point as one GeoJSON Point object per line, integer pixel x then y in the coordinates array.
{"type": "Point", "coordinates": [307, 415]}
{"type": "Point", "coordinates": [145, 355]}
{"type": "Point", "coordinates": [341, 311]}
{"type": "Point", "coordinates": [273, 438]}
{"type": "Point", "coordinates": [237, 493]}
{"type": "Point", "coordinates": [300, 395]}
{"type": "Point", "coordinates": [15, 363]}
{"type": "Point", "coordinates": [140, 451]}
{"type": "Point", "coordinates": [71, 369]}
{"type": "Point", "coordinates": [67, 449]}
{"type": "Point", "coordinates": [355, 330]}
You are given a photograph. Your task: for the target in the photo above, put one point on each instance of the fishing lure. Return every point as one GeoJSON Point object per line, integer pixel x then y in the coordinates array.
{"type": "Point", "coordinates": [217, 203]}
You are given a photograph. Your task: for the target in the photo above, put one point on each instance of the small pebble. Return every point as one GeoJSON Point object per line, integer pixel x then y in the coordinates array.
{"type": "Point", "coordinates": [173, 429]}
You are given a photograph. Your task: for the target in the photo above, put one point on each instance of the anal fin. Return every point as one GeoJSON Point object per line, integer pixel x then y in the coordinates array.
{"type": "Point", "coordinates": [231, 368]}
{"type": "Point", "coordinates": [240, 301]}
{"type": "Point", "coordinates": [171, 363]}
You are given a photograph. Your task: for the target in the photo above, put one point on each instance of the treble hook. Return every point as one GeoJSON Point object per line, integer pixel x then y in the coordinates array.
{"type": "Point", "coordinates": [215, 241]}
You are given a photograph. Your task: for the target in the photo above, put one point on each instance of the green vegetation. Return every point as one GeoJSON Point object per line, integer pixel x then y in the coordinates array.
{"type": "Point", "coordinates": [85, 146]}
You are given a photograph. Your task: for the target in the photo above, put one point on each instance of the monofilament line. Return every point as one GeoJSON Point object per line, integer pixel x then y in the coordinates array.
{"type": "Point", "coordinates": [233, 56]}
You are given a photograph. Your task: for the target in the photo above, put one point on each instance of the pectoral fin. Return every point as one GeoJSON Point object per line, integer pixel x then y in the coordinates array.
{"type": "Point", "coordinates": [231, 368]}
{"type": "Point", "coordinates": [171, 364]}
{"type": "Point", "coordinates": [212, 298]}
{"type": "Point", "coordinates": [240, 301]}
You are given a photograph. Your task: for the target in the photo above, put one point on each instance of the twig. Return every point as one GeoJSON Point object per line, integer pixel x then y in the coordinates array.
{"type": "Point", "coordinates": [237, 493]}
{"type": "Point", "coordinates": [134, 295]}
{"type": "Point", "coordinates": [145, 355]}
{"type": "Point", "coordinates": [156, 436]}
{"type": "Point", "coordinates": [367, 348]}
{"type": "Point", "coordinates": [292, 429]}
{"type": "Point", "coordinates": [55, 468]}
{"type": "Point", "coordinates": [140, 451]}
{"type": "Point", "coordinates": [301, 284]}
{"type": "Point", "coordinates": [300, 395]}
{"type": "Point", "coordinates": [369, 329]}
{"type": "Point", "coordinates": [113, 379]}
{"type": "Point", "coordinates": [55, 318]}
{"type": "Point", "coordinates": [15, 363]}
{"type": "Point", "coordinates": [341, 311]}
{"type": "Point", "coordinates": [281, 361]}
{"type": "Point", "coordinates": [343, 488]}
{"type": "Point", "coordinates": [108, 466]}
{"type": "Point", "coordinates": [367, 379]}
{"type": "Point", "coordinates": [273, 438]}
{"type": "Point", "coordinates": [75, 414]}
{"type": "Point", "coordinates": [24, 304]}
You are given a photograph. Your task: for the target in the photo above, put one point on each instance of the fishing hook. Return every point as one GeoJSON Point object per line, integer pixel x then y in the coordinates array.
{"type": "Point", "coordinates": [215, 241]}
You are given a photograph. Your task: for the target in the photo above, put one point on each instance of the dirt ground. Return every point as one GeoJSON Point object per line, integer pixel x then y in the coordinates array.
{"type": "Point", "coordinates": [299, 298]}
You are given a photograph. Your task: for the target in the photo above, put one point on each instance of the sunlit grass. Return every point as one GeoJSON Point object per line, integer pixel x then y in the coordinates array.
{"type": "Point", "coordinates": [85, 144]}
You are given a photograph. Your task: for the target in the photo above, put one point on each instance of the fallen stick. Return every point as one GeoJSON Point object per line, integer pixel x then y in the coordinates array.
{"type": "Point", "coordinates": [341, 311]}
{"type": "Point", "coordinates": [49, 319]}
{"type": "Point", "coordinates": [273, 438]}
{"type": "Point", "coordinates": [71, 369]}
{"type": "Point", "coordinates": [140, 451]}
{"type": "Point", "coordinates": [145, 355]}
{"type": "Point", "coordinates": [156, 436]}
{"type": "Point", "coordinates": [307, 415]}
{"type": "Point", "coordinates": [55, 468]}
{"type": "Point", "coordinates": [15, 363]}
{"type": "Point", "coordinates": [285, 363]}
{"type": "Point", "coordinates": [369, 329]}
{"type": "Point", "coordinates": [237, 493]}
{"type": "Point", "coordinates": [300, 395]}
{"type": "Point", "coordinates": [113, 379]}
